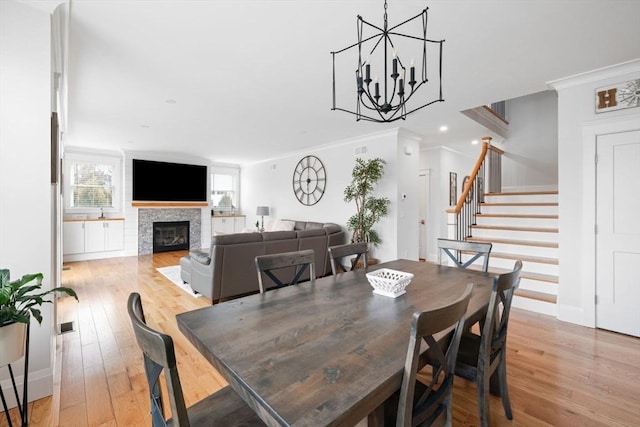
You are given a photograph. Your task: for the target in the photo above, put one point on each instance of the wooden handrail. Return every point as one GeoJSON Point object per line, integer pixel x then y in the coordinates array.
{"type": "Point", "coordinates": [486, 140]}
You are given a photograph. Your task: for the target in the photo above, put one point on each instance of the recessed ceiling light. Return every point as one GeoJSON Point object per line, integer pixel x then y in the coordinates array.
{"type": "Point", "coordinates": [474, 142]}
{"type": "Point", "coordinates": [144, 126]}
{"type": "Point", "coordinates": [170, 101]}
{"type": "Point", "coordinates": [443, 128]}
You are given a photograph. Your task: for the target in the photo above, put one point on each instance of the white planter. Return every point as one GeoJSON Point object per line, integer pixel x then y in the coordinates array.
{"type": "Point", "coordinates": [12, 342]}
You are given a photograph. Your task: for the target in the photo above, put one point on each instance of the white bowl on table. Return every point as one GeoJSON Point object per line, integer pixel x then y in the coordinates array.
{"type": "Point", "coordinates": [388, 282]}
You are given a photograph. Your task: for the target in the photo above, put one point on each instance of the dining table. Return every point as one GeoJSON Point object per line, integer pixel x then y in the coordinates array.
{"type": "Point", "coordinates": [327, 352]}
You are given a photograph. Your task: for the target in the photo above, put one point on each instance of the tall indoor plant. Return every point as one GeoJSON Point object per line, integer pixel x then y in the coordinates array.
{"type": "Point", "coordinates": [19, 301]}
{"type": "Point", "coordinates": [369, 209]}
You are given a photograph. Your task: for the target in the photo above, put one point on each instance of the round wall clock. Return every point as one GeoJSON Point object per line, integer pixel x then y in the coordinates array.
{"type": "Point", "coordinates": [309, 180]}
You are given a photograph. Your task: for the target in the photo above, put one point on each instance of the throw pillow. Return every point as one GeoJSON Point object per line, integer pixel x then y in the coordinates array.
{"type": "Point", "coordinates": [279, 225]}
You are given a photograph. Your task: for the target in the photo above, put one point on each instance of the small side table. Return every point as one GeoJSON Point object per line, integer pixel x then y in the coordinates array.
{"type": "Point", "coordinates": [22, 407]}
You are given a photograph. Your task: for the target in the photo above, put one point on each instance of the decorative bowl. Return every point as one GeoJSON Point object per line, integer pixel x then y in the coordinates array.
{"type": "Point", "coordinates": [388, 282]}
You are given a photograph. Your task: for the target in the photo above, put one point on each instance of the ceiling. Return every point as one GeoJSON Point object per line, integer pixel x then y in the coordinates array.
{"type": "Point", "coordinates": [243, 81]}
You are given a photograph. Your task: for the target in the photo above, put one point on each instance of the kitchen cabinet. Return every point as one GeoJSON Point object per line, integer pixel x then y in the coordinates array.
{"type": "Point", "coordinates": [227, 224]}
{"type": "Point", "coordinates": [87, 236]}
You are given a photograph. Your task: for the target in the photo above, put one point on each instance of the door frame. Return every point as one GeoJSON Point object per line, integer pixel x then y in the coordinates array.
{"type": "Point", "coordinates": [427, 173]}
{"type": "Point", "coordinates": [590, 134]}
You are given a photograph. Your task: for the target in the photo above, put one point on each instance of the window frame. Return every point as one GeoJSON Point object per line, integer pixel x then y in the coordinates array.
{"type": "Point", "coordinates": [71, 158]}
{"type": "Point", "coordinates": [235, 174]}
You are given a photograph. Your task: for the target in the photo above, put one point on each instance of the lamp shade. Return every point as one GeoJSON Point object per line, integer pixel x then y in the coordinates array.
{"type": "Point", "coordinates": [262, 211]}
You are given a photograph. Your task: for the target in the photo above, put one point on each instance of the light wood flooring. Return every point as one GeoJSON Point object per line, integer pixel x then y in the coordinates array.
{"type": "Point", "coordinates": [559, 374]}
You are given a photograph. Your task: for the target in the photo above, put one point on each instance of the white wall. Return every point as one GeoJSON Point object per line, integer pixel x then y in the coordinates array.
{"type": "Point", "coordinates": [531, 149]}
{"type": "Point", "coordinates": [269, 183]}
{"type": "Point", "coordinates": [578, 126]}
{"type": "Point", "coordinates": [25, 188]}
{"type": "Point", "coordinates": [440, 161]}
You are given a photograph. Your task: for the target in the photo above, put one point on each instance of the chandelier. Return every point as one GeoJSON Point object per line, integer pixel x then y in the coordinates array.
{"type": "Point", "coordinates": [392, 97]}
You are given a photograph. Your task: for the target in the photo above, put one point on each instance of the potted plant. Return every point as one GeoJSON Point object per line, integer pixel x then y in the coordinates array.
{"type": "Point", "coordinates": [19, 300]}
{"type": "Point", "coordinates": [369, 209]}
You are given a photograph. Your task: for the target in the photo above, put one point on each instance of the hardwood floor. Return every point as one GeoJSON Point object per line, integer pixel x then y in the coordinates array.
{"type": "Point", "coordinates": [559, 374]}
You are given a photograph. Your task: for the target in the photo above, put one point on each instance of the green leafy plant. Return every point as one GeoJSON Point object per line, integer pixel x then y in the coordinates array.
{"type": "Point", "coordinates": [369, 209]}
{"type": "Point", "coordinates": [21, 298]}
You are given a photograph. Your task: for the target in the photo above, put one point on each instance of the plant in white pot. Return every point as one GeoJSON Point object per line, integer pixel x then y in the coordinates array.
{"type": "Point", "coordinates": [19, 300]}
{"type": "Point", "coordinates": [369, 209]}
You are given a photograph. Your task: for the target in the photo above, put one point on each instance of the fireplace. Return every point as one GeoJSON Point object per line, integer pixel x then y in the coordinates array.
{"type": "Point", "coordinates": [170, 236]}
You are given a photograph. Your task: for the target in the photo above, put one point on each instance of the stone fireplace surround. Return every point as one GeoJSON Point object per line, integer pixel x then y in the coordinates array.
{"type": "Point", "coordinates": [146, 218]}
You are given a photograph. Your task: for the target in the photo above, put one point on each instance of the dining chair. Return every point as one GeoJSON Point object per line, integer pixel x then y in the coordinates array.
{"type": "Point", "coordinates": [337, 253]}
{"type": "Point", "coordinates": [280, 267]}
{"type": "Point", "coordinates": [418, 403]}
{"type": "Point", "coordinates": [483, 356]}
{"type": "Point", "coordinates": [454, 249]}
{"type": "Point", "coordinates": [223, 408]}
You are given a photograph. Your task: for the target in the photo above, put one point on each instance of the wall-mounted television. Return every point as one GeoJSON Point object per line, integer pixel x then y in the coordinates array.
{"type": "Point", "coordinates": [168, 182]}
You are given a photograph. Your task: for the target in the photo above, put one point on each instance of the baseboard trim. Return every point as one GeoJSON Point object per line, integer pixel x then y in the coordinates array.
{"type": "Point", "coordinates": [572, 314]}
{"type": "Point", "coordinates": [40, 385]}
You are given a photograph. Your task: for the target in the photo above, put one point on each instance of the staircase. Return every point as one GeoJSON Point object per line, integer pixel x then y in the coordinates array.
{"type": "Point", "coordinates": [523, 225]}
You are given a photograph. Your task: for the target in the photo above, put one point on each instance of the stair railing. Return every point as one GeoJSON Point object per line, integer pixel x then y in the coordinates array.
{"type": "Point", "coordinates": [474, 188]}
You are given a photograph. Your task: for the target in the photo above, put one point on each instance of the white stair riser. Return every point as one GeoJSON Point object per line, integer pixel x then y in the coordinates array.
{"type": "Point", "coordinates": [534, 198]}
{"type": "Point", "coordinates": [539, 286]}
{"type": "Point", "coordinates": [534, 236]}
{"type": "Point", "coordinates": [518, 222]}
{"type": "Point", "coordinates": [528, 266]}
{"type": "Point", "coordinates": [525, 250]}
{"type": "Point", "coordinates": [542, 307]}
{"type": "Point", "coordinates": [531, 210]}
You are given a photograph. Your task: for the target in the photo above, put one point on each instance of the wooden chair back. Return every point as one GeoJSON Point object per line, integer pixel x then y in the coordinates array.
{"type": "Point", "coordinates": [159, 355]}
{"type": "Point", "coordinates": [454, 249]}
{"type": "Point", "coordinates": [419, 404]}
{"type": "Point", "coordinates": [337, 253]}
{"type": "Point", "coordinates": [299, 260]}
{"type": "Point", "coordinates": [482, 358]}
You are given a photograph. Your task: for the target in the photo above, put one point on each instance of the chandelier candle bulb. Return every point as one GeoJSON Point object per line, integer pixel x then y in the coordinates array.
{"type": "Point", "coordinates": [395, 67]}
{"type": "Point", "coordinates": [367, 70]}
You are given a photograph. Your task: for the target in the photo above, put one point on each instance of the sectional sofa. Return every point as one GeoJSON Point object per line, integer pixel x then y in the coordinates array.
{"type": "Point", "coordinates": [228, 270]}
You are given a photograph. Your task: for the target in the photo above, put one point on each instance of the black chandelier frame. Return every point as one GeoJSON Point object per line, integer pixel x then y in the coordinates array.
{"type": "Point", "coordinates": [368, 100]}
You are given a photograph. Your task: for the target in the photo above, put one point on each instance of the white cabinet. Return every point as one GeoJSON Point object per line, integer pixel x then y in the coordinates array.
{"type": "Point", "coordinates": [73, 237]}
{"type": "Point", "coordinates": [227, 224]}
{"type": "Point", "coordinates": [93, 236]}
{"type": "Point", "coordinates": [114, 236]}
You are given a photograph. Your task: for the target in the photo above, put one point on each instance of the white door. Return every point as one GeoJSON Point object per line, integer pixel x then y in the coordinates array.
{"type": "Point", "coordinates": [618, 233]}
{"type": "Point", "coordinates": [423, 189]}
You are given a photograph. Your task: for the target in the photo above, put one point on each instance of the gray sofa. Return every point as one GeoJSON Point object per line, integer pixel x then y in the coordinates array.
{"type": "Point", "coordinates": [228, 270]}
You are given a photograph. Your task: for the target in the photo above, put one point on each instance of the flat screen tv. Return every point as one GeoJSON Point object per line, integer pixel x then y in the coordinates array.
{"type": "Point", "coordinates": [168, 182]}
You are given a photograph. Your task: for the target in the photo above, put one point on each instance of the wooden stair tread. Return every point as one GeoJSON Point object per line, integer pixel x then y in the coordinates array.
{"type": "Point", "coordinates": [522, 193]}
{"type": "Point", "coordinates": [484, 215]}
{"type": "Point", "coordinates": [524, 274]}
{"type": "Point", "coordinates": [501, 227]}
{"type": "Point", "coordinates": [520, 204]}
{"type": "Point", "coordinates": [539, 296]}
{"type": "Point", "coordinates": [514, 242]}
{"type": "Point", "coordinates": [524, 258]}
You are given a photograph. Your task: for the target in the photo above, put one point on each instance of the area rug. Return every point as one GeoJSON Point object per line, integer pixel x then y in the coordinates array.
{"type": "Point", "coordinates": [173, 273]}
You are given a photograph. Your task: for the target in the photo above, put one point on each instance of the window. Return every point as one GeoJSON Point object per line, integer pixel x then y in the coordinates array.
{"type": "Point", "coordinates": [91, 182]}
{"type": "Point", "coordinates": [224, 189]}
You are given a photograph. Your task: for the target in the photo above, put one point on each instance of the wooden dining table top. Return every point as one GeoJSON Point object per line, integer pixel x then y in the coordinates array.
{"type": "Point", "coordinates": [326, 353]}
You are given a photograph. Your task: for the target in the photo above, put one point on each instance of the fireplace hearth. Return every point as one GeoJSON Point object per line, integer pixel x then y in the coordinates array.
{"type": "Point", "coordinates": [170, 236]}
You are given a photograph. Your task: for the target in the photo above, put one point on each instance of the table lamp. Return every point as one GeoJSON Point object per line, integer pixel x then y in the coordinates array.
{"type": "Point", "coordinates": [262, 211]}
